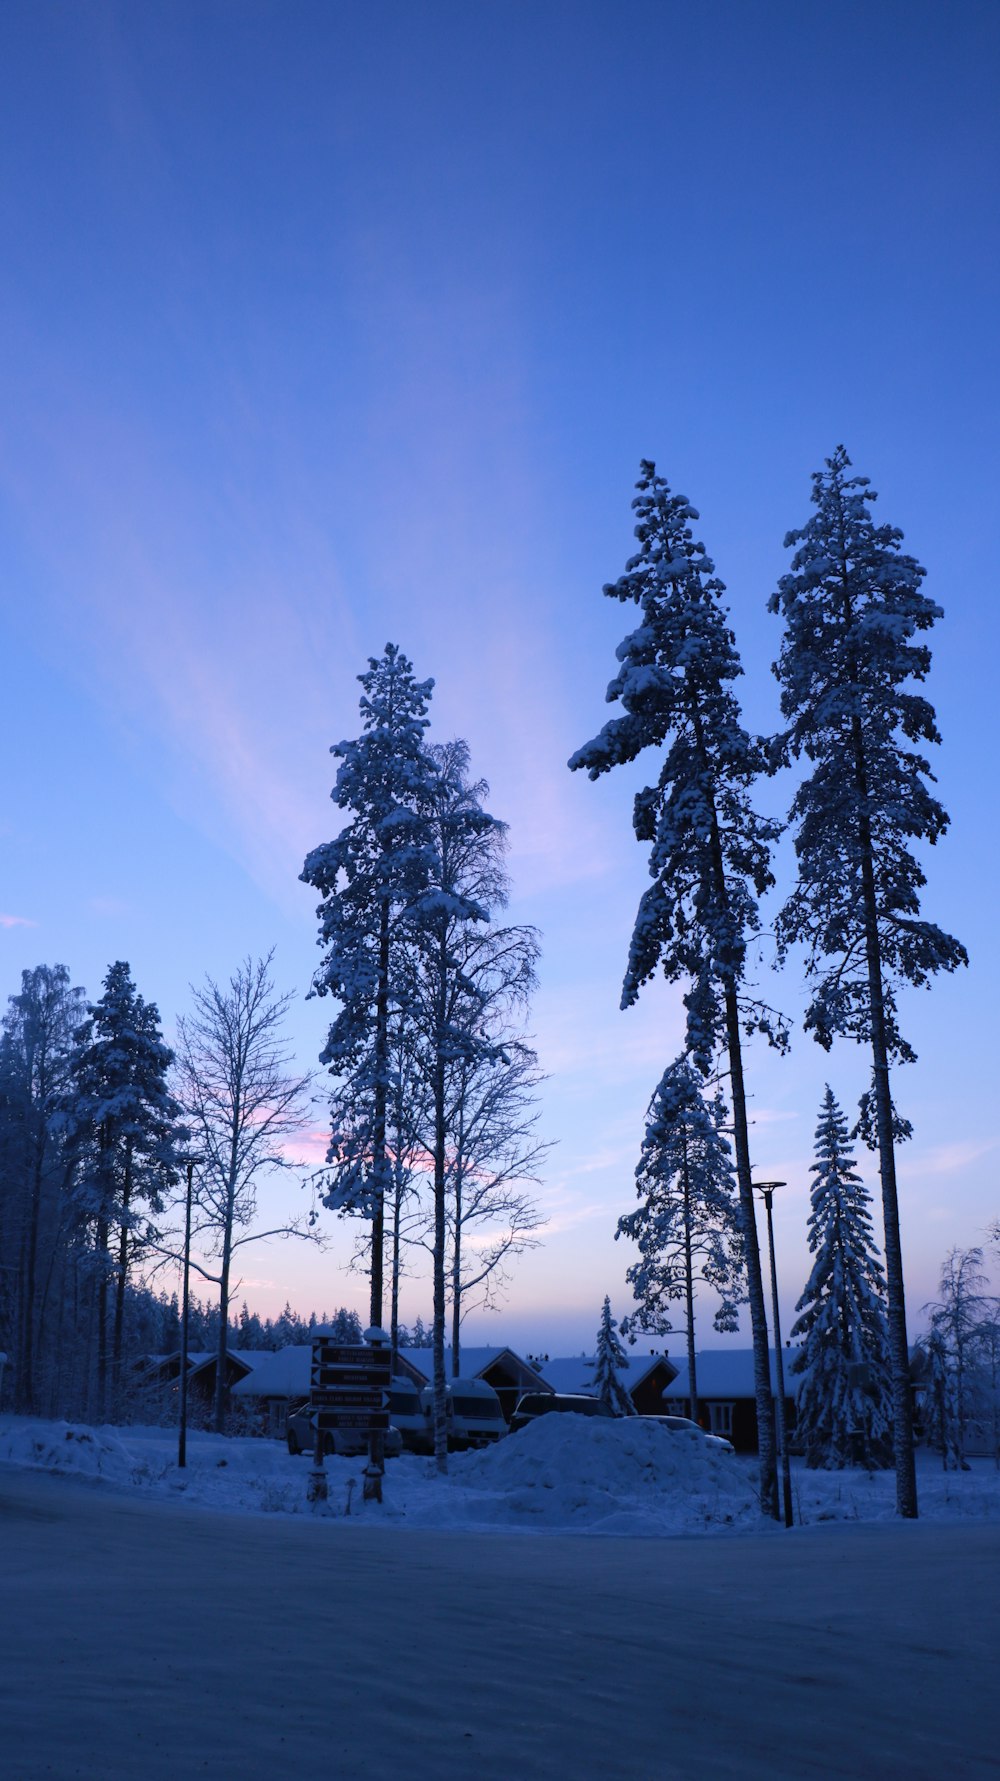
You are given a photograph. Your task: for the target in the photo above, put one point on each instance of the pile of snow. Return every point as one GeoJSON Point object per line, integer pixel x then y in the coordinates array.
{"type": "Point", "coordinates": [68, 1447]}
{"type": "Point", "coordinates": [621, 1475]}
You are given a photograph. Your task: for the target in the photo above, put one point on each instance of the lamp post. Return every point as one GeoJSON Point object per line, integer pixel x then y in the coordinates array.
{"type": "Point", "coordinates": [766, 1191]}
{"type": "Point", "coordinates": [182, 1430]}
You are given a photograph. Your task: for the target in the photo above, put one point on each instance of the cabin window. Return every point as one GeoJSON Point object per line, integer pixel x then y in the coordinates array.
{"type": "Point", "coordinates": [722, 1419]}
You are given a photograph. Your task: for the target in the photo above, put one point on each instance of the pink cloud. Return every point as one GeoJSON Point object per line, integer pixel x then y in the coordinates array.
{"type": "Point", "coordinates": [17, 921]}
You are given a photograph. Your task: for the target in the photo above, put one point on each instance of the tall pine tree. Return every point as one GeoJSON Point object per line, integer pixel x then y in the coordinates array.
{"type": "Point", "coordinates": [368, 878]}
{"type": "Point", "coordinates": [853, 611]}
{"type": "Point", "coordinates": [688, 1227]}
{"type": "Point", "coordinates": [844, 1409]}
{"type": "Point", "coordinates": [710, 851]}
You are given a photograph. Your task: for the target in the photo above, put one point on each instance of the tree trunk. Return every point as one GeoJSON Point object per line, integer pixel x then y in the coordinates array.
{"type": "Point", "coordinates": [222, 1350]}
{"type": "Point", "coordinates": [120, 1280]}
{"type": "Point", "coordinates": [689, 1294]}
{"type": "Point", "coordinates": [440, 1186]}
{"type": "Point", "coordinates": [766, 1438]}
{"type": "Point", "coordinates": [35, 1212]}
{"type": "Point", "coordinates": [906, 1473]}
{"type": "Point", "coordinates": [102, 1317]}
{"type": "Point", "coordinates": [394, 1287]}
{"type": "Point", "coordinates": [381, 1099]}
{"type": "Point", "coordinates": [456, 1277]}
{"type": "Point", "coordinates": [755, 1285]}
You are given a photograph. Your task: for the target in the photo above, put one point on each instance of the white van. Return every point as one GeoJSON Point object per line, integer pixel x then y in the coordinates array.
{"type": "Point", "coordinates": [475, 1418]}
{"type": "Point", "coordinates": [405, 1413]}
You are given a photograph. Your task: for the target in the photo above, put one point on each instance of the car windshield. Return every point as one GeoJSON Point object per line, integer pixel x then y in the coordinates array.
{"type": "Point", "coordinates": [479, 1409]}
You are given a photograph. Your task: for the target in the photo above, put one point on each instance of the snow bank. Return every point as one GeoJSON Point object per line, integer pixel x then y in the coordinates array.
{"type": "Point", "coordinates": [569, 1474]}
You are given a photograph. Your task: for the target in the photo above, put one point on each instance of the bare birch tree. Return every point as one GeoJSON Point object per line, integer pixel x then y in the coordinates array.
{"type": "Point", "coordinates": [242, 1102]}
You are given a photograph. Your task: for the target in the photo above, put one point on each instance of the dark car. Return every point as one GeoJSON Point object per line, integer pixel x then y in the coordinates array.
{"type": "Point", "coordinates": [547, 1403]}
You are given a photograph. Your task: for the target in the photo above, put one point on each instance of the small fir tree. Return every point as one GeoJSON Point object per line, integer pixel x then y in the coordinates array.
{"type": "Point", "coordinates": [844, 1409]}
{"type": "Point", "coordinates": [710, 850]}
{"type": "Point", "coordinates": [609, 1363]}
{"type": "Point", "coordinates": [688, 1227]}
{"type": "Point", "coordinates": [853, 609]}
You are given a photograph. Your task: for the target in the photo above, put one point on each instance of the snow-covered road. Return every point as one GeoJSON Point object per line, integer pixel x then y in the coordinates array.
{"type": "Point", "coordinates": [145, 1638]}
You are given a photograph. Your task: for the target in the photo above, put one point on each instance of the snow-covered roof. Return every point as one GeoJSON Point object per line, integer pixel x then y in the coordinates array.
{"type": "Point", "coordinates": [473, 1362]}
{"type": "Point", "coordinates": [576, 1373]}
{"type": "Point", "coordinates": [278, 1373]}
{"type": "Point", "coordinates": [728, 1373]}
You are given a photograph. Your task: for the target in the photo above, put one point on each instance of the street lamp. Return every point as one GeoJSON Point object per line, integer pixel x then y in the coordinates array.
{"type": "Point", "coordinates": [766, 1191]}
{"type": "Point", "coordinates": [189, 1163]}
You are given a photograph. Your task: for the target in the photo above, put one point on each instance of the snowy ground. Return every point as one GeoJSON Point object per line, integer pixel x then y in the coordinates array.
{"type": "Point", "coordinates": [564, 1474]}
{"type": "Point", "coordinates": [143, 1636]}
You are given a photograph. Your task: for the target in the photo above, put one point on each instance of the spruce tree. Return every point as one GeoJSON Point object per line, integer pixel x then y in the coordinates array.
{"type": "Point", "coordinates": [688, 1227]}
{"type": "Point", "coordinates": [125, 1126]}
{"type": "Point", "coordinates": [609, 1363]}
{"type": "Point", "coordinates": [853, 611]}
{"type": "Point", "coordinates": [710, 851]}
{"type": "Point", "coordinates": [368, 877]}
{"type": "Point", "coordinates": [844, 1408]}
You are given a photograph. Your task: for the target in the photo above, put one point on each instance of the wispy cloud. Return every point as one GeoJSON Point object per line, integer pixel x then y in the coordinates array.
{"type": "Point", "coordinates": [17, 921]}
{"type": "Point", "coordinates": [947, 1159]}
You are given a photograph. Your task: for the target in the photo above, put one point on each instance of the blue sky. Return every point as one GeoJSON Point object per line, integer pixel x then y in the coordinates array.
{"type": "Point", "coordinates": [322, 325]}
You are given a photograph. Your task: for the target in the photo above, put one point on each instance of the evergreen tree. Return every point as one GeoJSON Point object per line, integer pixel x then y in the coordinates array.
{"type": "Point", "coordinates": [36, 1055]}
{"type": "Point", "coordinates": [853, 609]}
{"type": "Point", "coordinates": [126, 1128]}
{"type": "Point", "coordinates": [844, 1408]}
{"type": "Point", "coordinates": [368, 877]}
{"type": "Point", "coordinates": [688, 1227]}
{"type": "Point", "coordinates": [710, 851]}
{"type": "Point", "coordinates": [609, 1363]}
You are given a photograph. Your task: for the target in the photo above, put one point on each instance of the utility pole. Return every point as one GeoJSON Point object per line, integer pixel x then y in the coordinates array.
{"type": "Point", "coordinates": [182, 1431]}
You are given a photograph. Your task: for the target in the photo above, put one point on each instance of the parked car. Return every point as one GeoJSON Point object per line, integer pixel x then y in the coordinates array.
{"type": "Point", "coordinates": [475, 1417]}
{"type": "Point", "coordinates": [683, 1425]}
{"type": "Point", "coordinates": [534, 1404]}
{"type": "Point", "coordinates": [300, 1434]}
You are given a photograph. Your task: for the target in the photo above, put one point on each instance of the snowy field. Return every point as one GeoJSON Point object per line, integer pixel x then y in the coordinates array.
{"type": "Point", "coordinates": [563, 1474]}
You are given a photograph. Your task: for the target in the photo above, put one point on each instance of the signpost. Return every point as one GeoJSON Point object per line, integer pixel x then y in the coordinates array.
{"type": "Point", "coordinates": [348, 1389]}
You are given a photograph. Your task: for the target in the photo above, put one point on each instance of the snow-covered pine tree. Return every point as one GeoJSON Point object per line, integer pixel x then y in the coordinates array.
{"type": "Point", "coordinates": [844, 1408]}
{"type": "Point", "coordinates": [853, 608]}
{"type": "Point", "coordinates": [125, 1126]}
{"type": "Point", "coordinates": [448, 925]}
{"type": "Point", "coordinates": [710, 851]}
{"type": "Point", "coordinates": [368, 877]}
{"type": "Point", "coordinates": [688, 1227]}
{"type": "Point", "coordinates": [610, 1362]}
